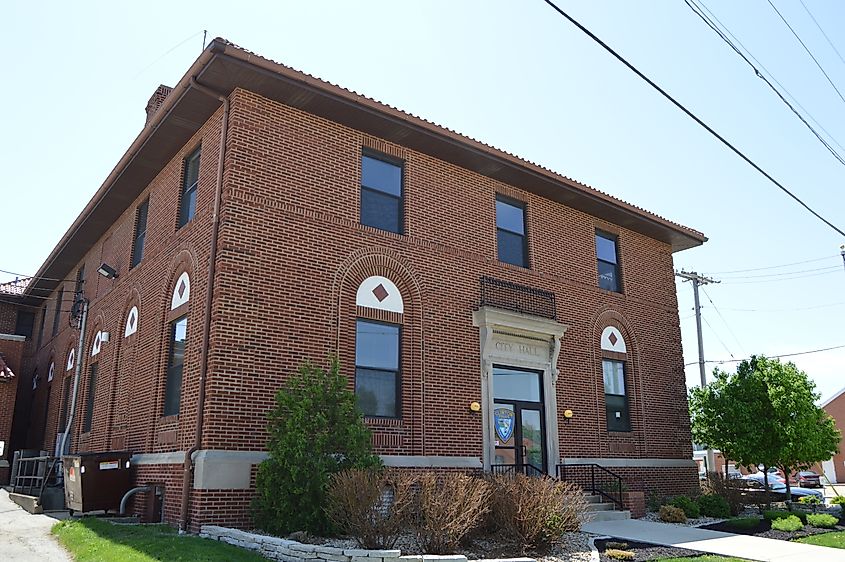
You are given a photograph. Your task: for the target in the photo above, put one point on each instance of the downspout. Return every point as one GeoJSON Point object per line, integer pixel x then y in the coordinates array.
{"type": "Point", "coordinates": [77, 371]}
{"type": "Point", "coordinates": [187, 465]}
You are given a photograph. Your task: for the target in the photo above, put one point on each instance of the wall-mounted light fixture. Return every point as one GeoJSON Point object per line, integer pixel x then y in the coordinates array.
{"type": "Point", "coordinates": [474, 407]}
{"type": "Point", "coordinates": [107, 271]}
{"type": "Point", "coordinates": [567, 415]}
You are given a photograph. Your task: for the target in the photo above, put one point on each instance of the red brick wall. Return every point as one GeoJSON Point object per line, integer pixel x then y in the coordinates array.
{"type": "Point", "coordinates": [291, 257]}
{"type": "Point", "coordinates": [836, 410]}
{"type": "Point", "coordinates": [13, 352]}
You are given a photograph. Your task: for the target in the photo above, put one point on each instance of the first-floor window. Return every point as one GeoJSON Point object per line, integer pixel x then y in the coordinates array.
{"type": "Point", "coordinates": [615, 398]}
{"type": "Point", "coordinates": [89, 403]}
{"type": "Point", "coordinates": [377, 368]}
{"type": "Point", "coordinates": [175, 365]}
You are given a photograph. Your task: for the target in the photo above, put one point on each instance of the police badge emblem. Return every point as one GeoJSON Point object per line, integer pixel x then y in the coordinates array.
{"type": "Point", "coordinates": [503, 420]}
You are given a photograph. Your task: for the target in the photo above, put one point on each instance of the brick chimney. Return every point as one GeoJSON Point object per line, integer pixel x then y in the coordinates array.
{"type": "Point", "coordinates": [156, 100]}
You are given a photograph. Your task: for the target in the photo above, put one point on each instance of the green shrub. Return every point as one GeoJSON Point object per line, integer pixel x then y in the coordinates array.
{"type": "Point", "coordinates": [689, 506]}
{"type": "Point", "coordinates": [617, 554]}
{"type": "Point", "coordinates": [672, 514]}
{"type": "Point", "coordinates": [744, 522]}
{"type": "Point", "coordinates": [810, 500]}
{"type": "Point", "coordinates": [731, 489]}
{"type": "Point", "coordinates": [837, 500]}
{"type": "Point", "coordinates": [822, 520]}
{"type": "Point", "coordinates": [316, 430]}
{"type": "Point", "coordinates": [712, 505]}
{"type": "Point", "coordinates": [788, 524]}
{"type": "Point", "coordinates": [774, 514]}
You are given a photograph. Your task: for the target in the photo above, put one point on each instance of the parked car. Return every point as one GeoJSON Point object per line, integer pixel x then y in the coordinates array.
{"type": "Point", "coordinates": [809, 479]}
{"type": "Point", "coordinates": [777, 485]}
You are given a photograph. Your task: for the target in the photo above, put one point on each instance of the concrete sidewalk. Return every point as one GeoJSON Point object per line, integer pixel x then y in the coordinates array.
{"type": "Point", "coordinates": [714, 542]}
{"type": "Point", "coordinates": [25, 537]}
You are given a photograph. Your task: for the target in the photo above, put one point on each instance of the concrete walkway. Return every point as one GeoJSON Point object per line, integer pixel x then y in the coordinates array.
{"type": "Point", "coordinates": [714, 542]}
{"type": "Point", "coordinates": [25, 537]}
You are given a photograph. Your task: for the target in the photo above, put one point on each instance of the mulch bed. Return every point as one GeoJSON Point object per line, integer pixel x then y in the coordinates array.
{"type": "Point", "coordinates": [644, 551]}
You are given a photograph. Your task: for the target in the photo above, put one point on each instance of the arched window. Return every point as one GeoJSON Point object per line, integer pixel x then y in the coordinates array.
{"type": "Point", "coordinates": [377, 348]}
{"type": "Point", "coordinates": [178, 337]}
{"type": "Point", "coordinates": [614, 359]}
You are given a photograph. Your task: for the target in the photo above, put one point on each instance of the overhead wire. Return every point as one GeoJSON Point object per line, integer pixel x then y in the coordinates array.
{"type": "Point", "coordinates": [780, 356]}
{"type": "Point", "coordinates": [782, 273]}
{"type": "Point", "coordinates": [818, 64]}
{"type": "Point", "coordinates": [694, 117]}
{"type": "Point", "coordinates": [831, 256]}
{"type": "Point", "coordinates": [699, 11]}
{"type": "Point", "coordinates": [727, 325]}
{"type": "Point", "coordinates": [829, 42]}
{"type": "Point", "coordinates": [712, 329]}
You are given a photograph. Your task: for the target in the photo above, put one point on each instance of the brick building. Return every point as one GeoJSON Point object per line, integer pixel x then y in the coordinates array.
{"type": "Point", "coordinates": [834, 469]}
{"type": "Point", "coordinates": [486, 310]}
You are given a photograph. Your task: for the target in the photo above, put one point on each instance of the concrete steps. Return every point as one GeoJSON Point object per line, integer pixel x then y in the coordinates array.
{"type": "Point", "coordinates": [600, 510]}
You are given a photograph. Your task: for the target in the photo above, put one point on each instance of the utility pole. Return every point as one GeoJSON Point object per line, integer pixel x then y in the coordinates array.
{"type": "Point", "coordinates": [698, 280]}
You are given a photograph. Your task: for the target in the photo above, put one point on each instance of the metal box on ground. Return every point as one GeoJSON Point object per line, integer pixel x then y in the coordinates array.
{"type": "Point", "coordinates": [96, 481]}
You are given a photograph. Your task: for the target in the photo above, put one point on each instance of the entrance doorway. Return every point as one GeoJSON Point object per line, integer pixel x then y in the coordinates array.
{"type": "Point", "coordinates": [519, 431]}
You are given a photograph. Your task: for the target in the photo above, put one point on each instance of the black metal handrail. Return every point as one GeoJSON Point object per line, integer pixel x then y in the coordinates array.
{"type": "Point", "coordinates": [595, 478]}
{"type": "Point", "coordinates": [511, 469]}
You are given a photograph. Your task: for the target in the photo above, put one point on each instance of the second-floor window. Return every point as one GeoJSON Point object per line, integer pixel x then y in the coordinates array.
{"type": "Point", "coordinates": [608, 262]}
{"type": "Point", "coordinates": [140, 233]}
{"type": "Point", "coordinates": [377, 368]}
{"type": "Point", "coordinates": [57, 314]}
{"type": "Point", "coordinates": [381, 194]}
{"type": "Point", "coordinates": [190, 180]}
{"type": "Point", "coordinates": [510, 231]}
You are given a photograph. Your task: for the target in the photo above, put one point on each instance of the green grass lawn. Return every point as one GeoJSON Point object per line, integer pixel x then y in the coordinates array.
{"type": "Point", "coordinates": [835, 539]}
{"type": "Point", "coordinates": [705, 558]}
{"type": "Point", "coordinates": [93, 540]}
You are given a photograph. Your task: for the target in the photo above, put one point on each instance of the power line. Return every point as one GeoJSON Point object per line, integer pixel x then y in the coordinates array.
{"type": "Point", "coordinates": [829, 42]}
{"type": "Point", "coordinates": [691, 115]}
{"type": "Point", "coordinates": [814, 307]}
{"type": "Point", "coordinates": [807, 49]}
{"type": "Point", "coordinates": [775, 266]}
{"type": "Point", "coordinates": [697, 10]}
{"type": "Point", "coordinates": [771, 356]}
{"type": "Point", "coordinates": [712, 329]}
{"type": "Point", "coordinates": [835, 271]}
{"type": "Point", "coordinates": [728, 326]}
{"type": "Point", "coordinates": [783, 273]}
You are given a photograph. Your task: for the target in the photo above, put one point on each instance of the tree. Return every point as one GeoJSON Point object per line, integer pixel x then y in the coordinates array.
{"type": "Point", "coordinates": [764, 414]}
{"type": "Point", "coordinates": [316, 430]}
{"type": "Point", "coordinates": [805, 433]}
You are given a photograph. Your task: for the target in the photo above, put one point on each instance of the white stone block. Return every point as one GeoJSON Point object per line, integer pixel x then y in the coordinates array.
{"type": "Point", "coordinates": [444, 558]}
{"type": "Point", "coordinates": [299, 547]}
{"type": "Point", "coordinates": [366, 559]}
{"type": "Point", "coordinates": [383, 553]}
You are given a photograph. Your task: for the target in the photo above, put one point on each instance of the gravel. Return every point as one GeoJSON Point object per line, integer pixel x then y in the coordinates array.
{"type": "Point", "coordinates": [697, 522]}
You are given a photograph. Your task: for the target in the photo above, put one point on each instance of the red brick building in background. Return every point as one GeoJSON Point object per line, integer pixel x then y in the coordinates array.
{"type": "Point", "coordinates": [487, 311]}
{"type": "Point", "coordinates": [834, 469]}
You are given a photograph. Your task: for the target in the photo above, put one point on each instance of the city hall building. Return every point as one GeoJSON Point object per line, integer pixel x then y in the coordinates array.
{"type": "Point", "coordinates": [489, 313]}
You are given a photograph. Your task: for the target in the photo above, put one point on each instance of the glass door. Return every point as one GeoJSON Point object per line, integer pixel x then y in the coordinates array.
{"type": "Point", "coordinates": [518, 421]}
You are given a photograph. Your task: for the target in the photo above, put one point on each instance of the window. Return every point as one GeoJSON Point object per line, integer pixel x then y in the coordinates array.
{"type": "Point", "coordinates": [140, 233]}
{"type": "Point", "coordinates": [381, 194]}
{"type": "Point", "coordinates": [615, 398]}
{"type": "Point", "coordinates": [24, 323]}
{"type": "Point", "coordinates": [41, 327]}
{"type": "Point", "coordinates": [608, 262]}
{"type": "Point", "coordinates": [190, 179]}
{"type": "Point", "coordinates": [175, 365]}
{"type": "Point", "coordinates": [65, 404]}
{"type": "Point", "coordinates": [510, 231]}
{"type": "Point", "coordinates": [80, 283]}
{"type": "Point", "coordinates": [89, 401]}
{"type": "Point", "coordinates": [57, 315]}
{"type": "Point", "coordinates": [377, 368]}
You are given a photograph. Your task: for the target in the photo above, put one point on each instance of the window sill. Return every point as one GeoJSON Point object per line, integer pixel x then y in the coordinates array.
{"type": "Point", "coordinates": [174, 418]}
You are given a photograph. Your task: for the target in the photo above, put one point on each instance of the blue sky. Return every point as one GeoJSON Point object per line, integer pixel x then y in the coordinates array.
{"type": "Point", "coordinates": [514, 75]}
